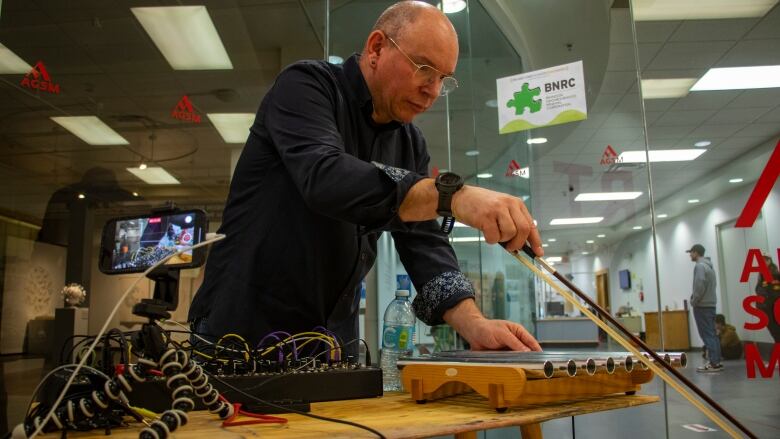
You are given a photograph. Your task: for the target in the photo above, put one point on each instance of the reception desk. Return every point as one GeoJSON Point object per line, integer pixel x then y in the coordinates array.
{"type": "Point", "coordinates": [675, 330]}
{"type": "Point", "coordinates": [567, 330]}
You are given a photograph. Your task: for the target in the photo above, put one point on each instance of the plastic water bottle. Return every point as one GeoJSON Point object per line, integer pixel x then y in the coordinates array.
{"type": "Point", "coordinates": [397, 338]}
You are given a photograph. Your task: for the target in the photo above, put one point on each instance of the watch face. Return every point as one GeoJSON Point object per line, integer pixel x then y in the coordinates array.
{"type": "Point", "coordinates": [448, 178]}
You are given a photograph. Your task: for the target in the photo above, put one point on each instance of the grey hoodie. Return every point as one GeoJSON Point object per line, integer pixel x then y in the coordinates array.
{"type": "Point", "coordinates": [704, 283]}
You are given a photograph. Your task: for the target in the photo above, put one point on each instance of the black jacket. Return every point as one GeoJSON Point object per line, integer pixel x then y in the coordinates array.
{"type": "Point", "coordinates": [314, 187]}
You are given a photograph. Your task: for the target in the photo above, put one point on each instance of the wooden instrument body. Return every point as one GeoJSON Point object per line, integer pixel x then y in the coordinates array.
{"type": "Point", "coordinates": [505, 385]}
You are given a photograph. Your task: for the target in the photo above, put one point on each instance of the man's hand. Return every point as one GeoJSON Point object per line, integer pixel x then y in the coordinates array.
{"type": "Point", "coordinates": [501, 217]}
{"type": "Point", "coordinates": [486, 334]}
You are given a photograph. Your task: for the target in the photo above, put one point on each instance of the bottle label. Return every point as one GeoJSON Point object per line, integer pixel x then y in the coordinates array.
{"type": "Point", "coordinates": [399, 337]}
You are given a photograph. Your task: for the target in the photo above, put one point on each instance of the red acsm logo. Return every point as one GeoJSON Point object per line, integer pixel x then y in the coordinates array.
{"type": "Point", "coordinates": [185, 111]}
{"type": "Point", "coordinates": [761, 191]}
{"type": "Point", "coordinates": [610, 157]}
{"type": "Point", "coordinates": [39, 79]}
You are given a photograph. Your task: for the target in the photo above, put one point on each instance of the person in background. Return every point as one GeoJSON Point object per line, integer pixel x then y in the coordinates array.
{"type": "Point", "coordinates": [703, 301]}
{"type": "Point", "coordinates": [730, 344]}
{"type": "Point", "coordinates": [769, 289]}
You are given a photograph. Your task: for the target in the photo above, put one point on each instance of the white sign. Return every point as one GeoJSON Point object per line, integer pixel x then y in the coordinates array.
{"type": "Point", "coordinates": [542, 98]}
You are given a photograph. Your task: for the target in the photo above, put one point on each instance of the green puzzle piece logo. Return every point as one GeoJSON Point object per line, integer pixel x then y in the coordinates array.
{"type": "Point", "coordinates": [525, 99]}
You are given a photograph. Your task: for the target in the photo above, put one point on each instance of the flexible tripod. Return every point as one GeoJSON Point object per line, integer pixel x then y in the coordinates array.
{"type": "Point", "coordinates": [184, 378]}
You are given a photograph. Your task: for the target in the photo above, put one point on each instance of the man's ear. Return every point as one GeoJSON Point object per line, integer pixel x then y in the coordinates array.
{"type": "Point", "coordinates": [374, 46]}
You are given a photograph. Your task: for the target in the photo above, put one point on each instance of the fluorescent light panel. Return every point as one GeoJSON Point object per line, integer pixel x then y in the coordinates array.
{"type": "Point", "coordinates": [607, 196]}
{"type": "Point", "coordinates": [91, 130]}
{"type": "Point", "coordinates": [666, 88]}
{"type": "Point", "coordinates": [233, 127]}
{"type": "Point", "coordinates": [10, 63]}
{"type": "Point", "coordinates": [185, 35]}
{"type": "Point", "coordinates": [452, 6]}
{"type": "Point", "coordinates": [655, 10]}
{"type": "Point", "coordinates": [485, 175]}
{"type": "Point", "coordinates": [469, 239]}
{"type": "Point", "coordinates": [739, 78]}
{"type": "Point", "coordinates": [572, 221]}
{"type": "Point", "coordinates": [661, 155]}
{"type": "Point", "coordinates": [554, 259]}
{"type": "Point", "coordinates": [154, 175]}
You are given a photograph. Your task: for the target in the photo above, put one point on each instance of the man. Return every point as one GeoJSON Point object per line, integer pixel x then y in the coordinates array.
{"type": "Point", "coordinates": [332, 160]}
{"type": "Point", "coordinates": [703, 301]}
{"type": "Point", "coordinates": [730, 344]}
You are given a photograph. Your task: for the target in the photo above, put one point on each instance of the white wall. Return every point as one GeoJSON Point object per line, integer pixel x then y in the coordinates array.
{"type": "Point", "coordinates": [674, 237]}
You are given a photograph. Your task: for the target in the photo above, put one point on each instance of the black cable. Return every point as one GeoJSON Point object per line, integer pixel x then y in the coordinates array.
{"type": "Point", "coordinates": [322, 418]}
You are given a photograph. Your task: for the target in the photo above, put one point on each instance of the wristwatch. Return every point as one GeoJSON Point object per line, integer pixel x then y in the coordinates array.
{"type": "Point", "coordinates": [447, 183]}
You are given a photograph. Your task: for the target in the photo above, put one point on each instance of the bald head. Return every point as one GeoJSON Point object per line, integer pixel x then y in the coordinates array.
{"type": "Point", "coordinates": [406, 16]}
{"type": "Point", "coordinates": [408, 36]}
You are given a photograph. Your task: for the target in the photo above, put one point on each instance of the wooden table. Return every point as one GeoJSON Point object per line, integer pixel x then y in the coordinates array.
{"type": "Point", "coordinates": [396, 416]}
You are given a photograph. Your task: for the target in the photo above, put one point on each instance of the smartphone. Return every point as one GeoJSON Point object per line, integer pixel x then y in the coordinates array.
{"type": "Point", "coordinates": [133, 244]}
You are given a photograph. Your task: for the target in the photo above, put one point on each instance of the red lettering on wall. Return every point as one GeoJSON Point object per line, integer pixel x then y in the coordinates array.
{"type": "Point", "coordinates": [763, 319]}
{"type": "Point", "coordinates": [761, 191]}
{"type": "Point", "coordinates": [760, 267]}
{"type": "Point", "coordinates": [753, 359]}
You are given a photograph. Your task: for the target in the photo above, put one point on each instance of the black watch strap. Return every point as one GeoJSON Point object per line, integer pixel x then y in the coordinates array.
{"type": "Point", "coordinates": [447, 184]}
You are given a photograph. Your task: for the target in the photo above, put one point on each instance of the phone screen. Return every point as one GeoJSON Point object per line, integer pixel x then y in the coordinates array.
{"type": "Point", "coordinates": [136, 243]}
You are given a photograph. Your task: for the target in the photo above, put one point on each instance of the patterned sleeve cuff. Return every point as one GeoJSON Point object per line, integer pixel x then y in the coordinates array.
{"type": "Point", "coordinates": [440, 294]}
{"type": "Point", "coordinates": [395, 174]}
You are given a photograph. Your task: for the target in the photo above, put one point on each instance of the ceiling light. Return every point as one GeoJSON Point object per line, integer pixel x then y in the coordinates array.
{"type": "Point", "coordinates": [135, 194]}
{"type": "Point", "coordinates": [601, 236]}
{"type": "Point", "coordinates": [10, 63]}
{"type": "Point", "coordinates": [554, 259]}
{"type": "Point", "coordinates": [82, 196]}
{"type": "Point", "coordinates": [142, 166]}
{"type": "Point", "coordinates": [492, 103]}
{"type": "Point", "coordinates": [651, 10]}
{"type": "Point", "coordinates": [637, 227]}
{"type": "Point", "coordinates": [551, 240]}
{"type": "Point", "coordinates": [91, 130]}
{"type": "Point", "coordinates": [693, 200]}
{"type": "Point", "coordinates": [590, 241]}
{"type": "Point", "coordinates": [702, 144]}
{"type": "Point", "coordinates": [551, 264]}
{"type": "Point", "coordinates": [154, 175]}
{"type": "Point", "coordinates": [185, 35]}
{"type": "Point", "coordinates": [662, 215]}
{"type": "Point", "coordinates": [736, 180]}
{"type": "Point", "coordinates": [335, 59]}
{"type": "Point", "coordinates": [666, 88]}
{"type": "Point", "coordinates": [572, 221]}
{"type": "Point", "coordinates": [469, 239]}
{"type": "Point", "coordinates": [472, 153]}
{"type": "Point", "coordinates": [661, 155]}
{"type": "Point", "coordinates": [739, 78]}
{"type": "Point", "coordinates": [452, 6]}
{"type": "Point", "coordinates": [585, 253]}
{"type": "Point", "coordinates": [545, 245]}
{"type": "Point", "coordinates": [233, 127]}
{"type": "Point", "coordinates": [536, 140]}
{"type": "Point", "coordinates": [485, 175]}
{"type": "Point", "coordinates": [607, 196]}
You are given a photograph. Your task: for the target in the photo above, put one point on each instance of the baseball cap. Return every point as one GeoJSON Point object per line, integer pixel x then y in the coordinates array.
{"type": "Point", "coordinates": [698, 248]}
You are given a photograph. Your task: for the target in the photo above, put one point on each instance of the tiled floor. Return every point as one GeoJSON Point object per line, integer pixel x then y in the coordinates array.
{"type": "Point", "coordinates": [756, 403]}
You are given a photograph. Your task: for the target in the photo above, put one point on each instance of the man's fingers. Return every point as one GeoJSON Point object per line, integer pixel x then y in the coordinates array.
{"type": "Point", "coordinates": [507, 226]}
{"type": "Point", "coordinates": [526, 338]}
{"type": "Point", "coordinates": [511, 341]}
{"type": "Point", "coordinates": [522, 229]}
{"type": "Point", "coordinates": [534, 238]}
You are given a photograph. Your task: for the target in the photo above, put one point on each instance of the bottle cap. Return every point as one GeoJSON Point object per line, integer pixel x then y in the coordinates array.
{"type": "Point", "coordinates": [401, 293]}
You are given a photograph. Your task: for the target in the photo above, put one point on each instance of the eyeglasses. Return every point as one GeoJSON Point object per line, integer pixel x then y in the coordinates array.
{"type": "Point", "coordinates": [430, 74]}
